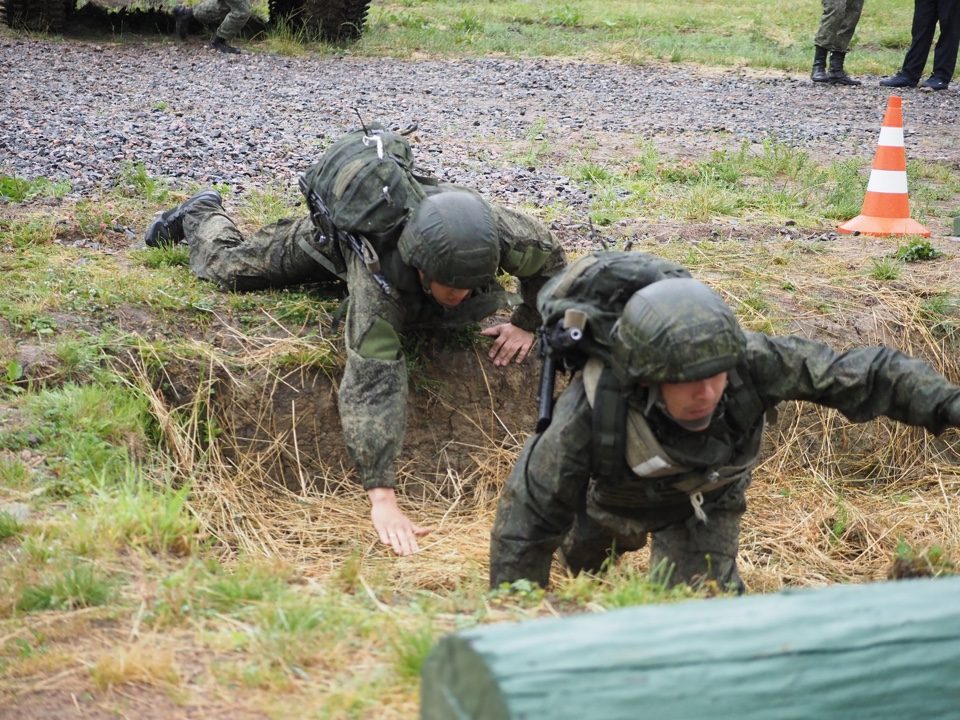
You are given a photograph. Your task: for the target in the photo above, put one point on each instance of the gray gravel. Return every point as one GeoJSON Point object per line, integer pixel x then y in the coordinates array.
{"type": "Point", "coordinates": [76, 110]}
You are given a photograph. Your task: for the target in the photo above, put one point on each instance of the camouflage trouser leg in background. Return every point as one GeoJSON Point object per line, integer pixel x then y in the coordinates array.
{"type": "Point", "coordinates": [839, 20]}
{"type": "Point", "coordinates": [228, 16]}
{"type": "Point", "coordinates": [272, 257]}
{"type": "Point", "coordinates": [695, 552]}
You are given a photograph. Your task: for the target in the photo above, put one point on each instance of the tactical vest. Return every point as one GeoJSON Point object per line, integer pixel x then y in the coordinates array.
{"type": "Point", "coordinates": [646, 457]}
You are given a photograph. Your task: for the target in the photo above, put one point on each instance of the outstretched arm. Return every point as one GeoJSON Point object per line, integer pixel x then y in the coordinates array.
{"type": "Point", "coordinates": [373, 403]}
{"type": "Point", "coordinates": [862, 383]}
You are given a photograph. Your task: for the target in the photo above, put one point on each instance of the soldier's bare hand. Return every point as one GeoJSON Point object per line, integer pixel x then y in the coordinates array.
{"type": "Point", "coordinates": [393, 527]}
{"type": "Point", "coordinates": [511, 343]}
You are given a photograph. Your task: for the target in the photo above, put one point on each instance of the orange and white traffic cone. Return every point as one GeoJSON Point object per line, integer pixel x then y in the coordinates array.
{"type": "Point", "coordinates": [886, 206]}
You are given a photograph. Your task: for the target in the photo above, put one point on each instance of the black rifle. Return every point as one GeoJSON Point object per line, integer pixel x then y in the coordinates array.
{"type": "Point", "coordinates": [561, 339]}
{"type": "Point", "coordinates": [361, 246]}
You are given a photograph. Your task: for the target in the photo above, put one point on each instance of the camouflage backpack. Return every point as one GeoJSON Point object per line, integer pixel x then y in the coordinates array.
{"type": "Point", "coordinates": [366, 181]}
{"type": "Point", "coordinates": [589, 297]}
{"type": "Point", "coordinates": [579, 309]}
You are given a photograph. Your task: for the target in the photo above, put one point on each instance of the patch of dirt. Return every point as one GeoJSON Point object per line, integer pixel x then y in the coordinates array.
{"type": "Point", "coordinates": [458, 403]}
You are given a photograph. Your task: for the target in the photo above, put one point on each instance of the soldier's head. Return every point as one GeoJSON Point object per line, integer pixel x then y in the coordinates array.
{"type": "Point", "coordinates": [678, 338]}
{"type": "Point", "coordinates": [452, 241]}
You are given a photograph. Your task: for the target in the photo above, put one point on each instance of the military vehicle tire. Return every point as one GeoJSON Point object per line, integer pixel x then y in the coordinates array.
{"type": "Point", "coordinates": [330, 20]}
{"type": "Point", "coordinates": [42, 15]}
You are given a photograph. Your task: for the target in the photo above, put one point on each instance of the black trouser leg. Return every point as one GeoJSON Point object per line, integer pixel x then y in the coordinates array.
{"type": "Point", "coordinates": [945, 53]}
{"type": "Point", "coordinates": [921, 37]}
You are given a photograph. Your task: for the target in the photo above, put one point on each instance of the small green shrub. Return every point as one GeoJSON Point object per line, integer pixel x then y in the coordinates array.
{"type": "Point", "coordinates": [917, 250]}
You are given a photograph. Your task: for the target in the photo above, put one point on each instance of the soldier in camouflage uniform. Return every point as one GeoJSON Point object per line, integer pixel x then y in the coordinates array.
{"type": "Point", "coordinates": [697, 389]}
{"type": "Point", "coordinates": [442, 270]}
{"type": "Point", "coordinates": [839, 20]}
{"type": "Point", "coordinates": [228, 16]}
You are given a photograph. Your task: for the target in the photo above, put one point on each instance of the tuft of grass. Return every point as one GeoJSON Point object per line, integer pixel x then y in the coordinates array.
{"type": "Point", "coordinates": [19, 189]}
{"type": "Point", "coordinates": [9, 526]}
{"type": "Point", "coordinates": [885, 269]}
{"type": "Point", "coordinates": [410, 647]}
{"type": "Point", "coordinates": [142, 662]}
{"type": "Point", "coordinates": [931, 561]}
{"type": "Point", "coordinates": [941, 314]}
{"type": "Point", "coordinates": [135, 181]}
{"type": "Point", "coordinates": [164, 256]}
{"type": "Point", "coordinates": [32, 232]}
{"type": "Point", "coordinates": [77, 587]}
{"type": "Point", "coordinates": [624, 585]}
{"type": "Point", "coordinates": [262, 207]}
{"type": "Point", "coordinates": [14, 474]}
{"type": "Point", "coordinates": [148, 515]}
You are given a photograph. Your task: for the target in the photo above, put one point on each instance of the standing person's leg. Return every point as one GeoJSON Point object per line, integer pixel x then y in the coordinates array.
{"type": "Point", "coordinates": [211, 12]}
{"type": "Point", "coordinates": [235, 19]}
{"type": "Point", "coordinates": [945, 52]}
{"type": "Point", "coordinates": [837, 25]}
{"type": "Point", "coordinates": [844, 34]}
{"type": "Point", "coordinates": [924, 26]}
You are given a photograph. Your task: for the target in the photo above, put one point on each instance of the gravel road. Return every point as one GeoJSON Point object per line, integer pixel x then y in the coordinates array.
{"type": "Point", "coordinates": [76, 110]}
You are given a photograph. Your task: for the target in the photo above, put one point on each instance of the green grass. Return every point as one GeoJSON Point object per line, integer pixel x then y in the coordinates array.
{"type": "Point", "coordinates": [9, 526]}
{"type": "Point", "coordinates": [768, 183]}
{"type": "Point", "coordinates": [738, 33]}
{"type": "Point", "coordinates": [79, 586]}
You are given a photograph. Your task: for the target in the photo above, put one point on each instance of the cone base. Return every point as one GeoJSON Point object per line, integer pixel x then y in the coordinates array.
{"type": "Point", "coordinates": [881, 226]}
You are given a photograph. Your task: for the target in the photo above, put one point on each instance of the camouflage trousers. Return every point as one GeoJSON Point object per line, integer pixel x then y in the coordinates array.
{"type": "Point", "coordinates": [277, 255]}
{"type": "Point", "coordinates": [839, 20]}
{"type": "Point", "coordinates": [228, 15]}
{"type": "Point", "coordinates": [690, 552]}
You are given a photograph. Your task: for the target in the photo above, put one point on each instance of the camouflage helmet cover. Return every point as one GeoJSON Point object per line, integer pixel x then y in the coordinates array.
{"type": "Point", "coordinates": [676, 330]}
{"type": "Point", "coordinates": [453, 240]}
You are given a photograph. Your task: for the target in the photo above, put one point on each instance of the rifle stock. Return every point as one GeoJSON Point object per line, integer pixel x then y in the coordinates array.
{"type": "Point", "coordinates": [562, 339]}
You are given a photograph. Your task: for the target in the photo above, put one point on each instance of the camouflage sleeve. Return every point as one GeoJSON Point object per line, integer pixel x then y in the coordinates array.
{"type": "Point", "coordinates": [539, 500]}
{"type": "Point", "coordinates": [373, 391]}
{"type": "Point", "coordinates": [863, 383]}
{"type": "Point", "coordinates": [529, 252]}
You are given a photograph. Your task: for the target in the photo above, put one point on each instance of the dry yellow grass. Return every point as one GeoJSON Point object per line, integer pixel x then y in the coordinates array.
{"type": "Point", "coordinates": [830, 501]}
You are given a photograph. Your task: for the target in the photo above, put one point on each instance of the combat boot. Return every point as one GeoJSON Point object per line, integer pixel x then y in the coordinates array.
{"type": "Point", "coordinates": [836, 74]}
{"type": "Point", "coordinates": [819, 72]}
{"type": "Point", "coordinates": [218, 43]}
{"type": "Point", "coordinates": [167, 227]}
{"type": "Point", "coordinates": [181, 21]}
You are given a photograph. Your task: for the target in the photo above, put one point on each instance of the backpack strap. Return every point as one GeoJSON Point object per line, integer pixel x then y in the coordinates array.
{"type": "Point", "coordinates": [608, 419]}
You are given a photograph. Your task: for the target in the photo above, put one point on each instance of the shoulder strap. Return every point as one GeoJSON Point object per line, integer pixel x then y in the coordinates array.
{"type": "Point", "coordinates": [608, 418]}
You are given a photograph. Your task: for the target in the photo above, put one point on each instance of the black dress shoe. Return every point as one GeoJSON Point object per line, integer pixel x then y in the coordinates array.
{"type": "Point", "coordinates": [934, 83]}
{"type": "Point", "coordinates": [167, 228]}
{"type": "Point", "coordinates": [898, 81]}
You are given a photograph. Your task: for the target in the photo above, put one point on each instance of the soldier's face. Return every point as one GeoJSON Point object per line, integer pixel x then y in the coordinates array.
{"type": "Point", "coordinates": [694, 402]}
{"type": "Point", "coordinates": [447, 296]}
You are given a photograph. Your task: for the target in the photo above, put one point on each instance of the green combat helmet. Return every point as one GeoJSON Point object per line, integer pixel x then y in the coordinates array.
{"type": "Point", "coordinates": [453, 240]}
{"type": "Point", "coordinates": [676, 330]}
